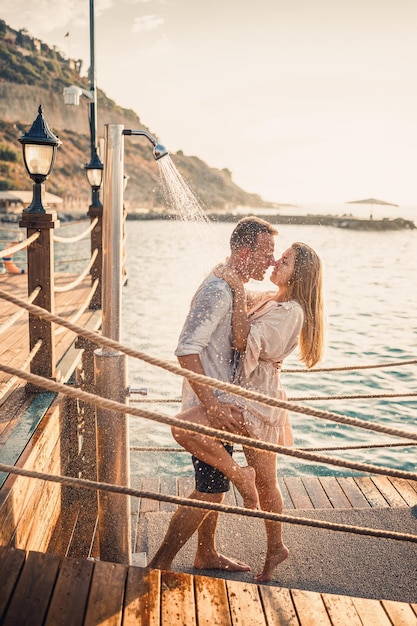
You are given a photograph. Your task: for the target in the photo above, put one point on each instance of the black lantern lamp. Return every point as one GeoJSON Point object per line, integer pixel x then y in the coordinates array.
{"type": "Point", "coordinates": [39, 151]}
{"type": "Point", "coordinates": [94, 172]}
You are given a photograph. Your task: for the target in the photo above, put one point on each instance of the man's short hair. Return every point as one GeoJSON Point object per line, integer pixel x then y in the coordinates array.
{"type": "Point", "coordinates": [246, 231]}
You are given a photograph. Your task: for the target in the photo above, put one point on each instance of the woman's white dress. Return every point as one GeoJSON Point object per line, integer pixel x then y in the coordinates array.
{"type": "Point", "coordinates": [274, 332]}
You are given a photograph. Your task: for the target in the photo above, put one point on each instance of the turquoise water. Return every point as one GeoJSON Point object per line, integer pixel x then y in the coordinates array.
{"type": "Point", "coordinates": [370, 311]}
{"type": "Point", "coordinates": [370, 291]}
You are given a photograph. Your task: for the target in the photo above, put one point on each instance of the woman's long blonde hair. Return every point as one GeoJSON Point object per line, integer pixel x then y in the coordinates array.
{"type": "Point", "coordinates": [306, 287]}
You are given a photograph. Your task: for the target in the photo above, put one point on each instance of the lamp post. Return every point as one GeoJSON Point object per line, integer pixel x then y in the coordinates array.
{"type": "Point", "coordinates": [39, 151]}
{"type": "Point", "coordinates": [94, 169]}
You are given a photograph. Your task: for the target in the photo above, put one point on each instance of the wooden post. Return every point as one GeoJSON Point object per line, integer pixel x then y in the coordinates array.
{"type": "Point", "coordinates": [41, 274]}
{"type": "Point", "coordinates": [96, 243]}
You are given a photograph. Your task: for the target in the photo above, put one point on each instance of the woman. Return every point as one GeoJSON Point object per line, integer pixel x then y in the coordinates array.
{"type": "Point", "coordinates": [277, 322]}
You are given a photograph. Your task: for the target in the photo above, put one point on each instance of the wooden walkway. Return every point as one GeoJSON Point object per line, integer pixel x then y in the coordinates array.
{"type": "Point", "coordinates": [14, 343]}
{"type": "Point", "coordinates": [44, 589]}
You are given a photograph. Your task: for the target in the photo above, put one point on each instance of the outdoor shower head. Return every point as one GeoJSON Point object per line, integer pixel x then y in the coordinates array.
{"type": "Point", "coordinates": [159, 150]}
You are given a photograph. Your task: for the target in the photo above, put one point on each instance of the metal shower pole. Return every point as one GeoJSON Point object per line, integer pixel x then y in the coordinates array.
{"type": "Point", "coordinates": [110, 365]}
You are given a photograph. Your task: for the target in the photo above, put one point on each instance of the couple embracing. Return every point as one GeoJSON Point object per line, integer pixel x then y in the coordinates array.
{"type": "Point", "coordinates": [262, 328]}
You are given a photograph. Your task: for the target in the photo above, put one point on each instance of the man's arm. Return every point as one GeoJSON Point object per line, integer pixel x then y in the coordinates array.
{"type": "Point", "coordinates": [221, 415]}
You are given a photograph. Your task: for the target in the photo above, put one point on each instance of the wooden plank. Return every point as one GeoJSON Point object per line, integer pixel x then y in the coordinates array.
{"type": "Point", "coordinates": [177, 599]}
{"type": "Point", "coordinates": [400, 613]}
{"type": "Point", "coordinates": [353, 493]}
{"type": "Point", "coordinates": [334, 492]}
{"type": "Point", "coordinates": [47, 504]}
{"type": "Point", "coordinates": [310, 608]}
{"type": "Point", "coordinates": [341, 610]}
{"type": "Point", "coordinates": [297, 492]}
{"type": "Point", "coordinates": [169, 487]}
{"type": "Point", "coordinates": [105, 601]}
{"type": "Point", "coordinates": [142, 597]}
{"type": "Point", "coordinates": [389, 492]}
{"type": "Point", "coordinates": [316, 492]}
{"type": "Point", "coordinates": [185, 486]}
{"type": "Point", "coordinates": [211, 602]}
{"type": "Point", "coordinates": [149, 484]}
{"type": "Point", "coordinates": [278, 606]}
{"type": "Point", "coordinates": [81, 542]}
{"type": "Point", "coordinates": [70, 595]}
{"type": "Point", "coordinates": [245, 604]}
{"type": "Point", "coordinates": [11, 563]}
{"type": "Point", "coordinates": [370, 491]}
{"type": "Point", "coordinates": [288, 503]}
{"type": "Point", "coordinates": [406, 488]}
{"type": "Point", "coordinates": [371, 612]}
{"type": "Point", "coordinates": [33, 591]}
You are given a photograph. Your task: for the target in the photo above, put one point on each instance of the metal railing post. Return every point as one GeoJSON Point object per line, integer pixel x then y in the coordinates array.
{"type": "Point", "coordinates": [110, 365]}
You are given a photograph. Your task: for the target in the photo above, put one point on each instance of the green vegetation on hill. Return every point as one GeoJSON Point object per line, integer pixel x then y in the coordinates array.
{"type": "Point", "coordinates": [32, 72]}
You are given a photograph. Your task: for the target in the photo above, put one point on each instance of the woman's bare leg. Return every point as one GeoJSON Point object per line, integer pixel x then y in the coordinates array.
{"type": "Point", "coordinates": [265, 466]}
{"type": "Point", "coordinates": [213, 452]}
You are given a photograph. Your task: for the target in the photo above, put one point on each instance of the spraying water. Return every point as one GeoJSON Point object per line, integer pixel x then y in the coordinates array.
{"type": "Point", "coordinates": [178, 195]}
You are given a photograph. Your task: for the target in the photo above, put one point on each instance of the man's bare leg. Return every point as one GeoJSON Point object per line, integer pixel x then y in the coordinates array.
{"type": "Point", "coordinates": [185, 521]}
{"type": "Point", "coordinates": [212, 452]}
{"type": "Point", "coordinates": [207, 556]}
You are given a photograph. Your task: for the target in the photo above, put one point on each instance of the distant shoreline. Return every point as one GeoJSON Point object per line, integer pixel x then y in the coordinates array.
{"type": "Point", "coordinates": [347, 222]}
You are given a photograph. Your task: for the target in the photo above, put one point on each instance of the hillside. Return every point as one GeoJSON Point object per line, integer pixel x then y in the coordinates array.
{"type": "Point", "coordinates": [32, 73]}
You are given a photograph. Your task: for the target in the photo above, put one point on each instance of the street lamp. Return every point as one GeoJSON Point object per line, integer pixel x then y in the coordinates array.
{"type": "Point", "coordinates": [39, 151]}
{"type": "Point", "coordinates": [94, 172]}
{"type": "Point", "coordinates": [93, 169]}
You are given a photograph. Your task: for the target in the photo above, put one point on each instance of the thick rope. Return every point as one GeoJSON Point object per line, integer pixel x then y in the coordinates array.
{"type": "Point", "coordinates": [82, 483]}
{"type": "Point", "coordinates": [347, 368]}
{"type": "Point", "coordinates": [205, 380]}
{"type": "Point", "coordinates": [82, 308]}
{"type": "Point", "coordinates": [16, 316]}
{"type": "Point", "coordinates": [82, 235]}
{"type": "Point", "coordinates": [308, 449]}
{"type": "Point", "coordinates": [19, 246]}
{"type": "Point", "coordinates": [118, 407]}
{"type": "Point", "coordinates": [83, 274]}
{"type": "Point", "coordinates": [365, 396]}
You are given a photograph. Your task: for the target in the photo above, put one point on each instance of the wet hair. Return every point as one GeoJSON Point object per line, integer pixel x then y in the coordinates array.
{"type": "Point", "coordinates": [246, 231]}
{"type": "Point", "coordinates": [306, 286]}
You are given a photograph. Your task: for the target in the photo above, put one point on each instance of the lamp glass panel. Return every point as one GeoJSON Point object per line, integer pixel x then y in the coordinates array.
{"type": "Point", "coordinates": [94, 177]}
{"type": "Point", "coordinates": [39, 158]}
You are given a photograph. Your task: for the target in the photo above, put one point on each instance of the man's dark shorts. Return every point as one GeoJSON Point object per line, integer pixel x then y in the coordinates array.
{"type": "Point", "coordinates": [208, 479]}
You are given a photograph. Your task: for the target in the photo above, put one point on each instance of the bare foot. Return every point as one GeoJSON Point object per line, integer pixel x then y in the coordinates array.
{"type": "Point", "coordinates": [244, 480]}
{"type": "Point", "coordinates": [219, 561]}
{"type": "Point", "coordinates": [271, 563]}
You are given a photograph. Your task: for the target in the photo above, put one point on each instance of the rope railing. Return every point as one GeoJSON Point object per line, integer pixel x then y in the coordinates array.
{"type": "Point", "coordinates": [81, 277]}
{"type": "Point", "coordinates": [19, 246]}
{"type": "Point", "coordinates": [13, 380]}
{"type": "Point", "coordinates": [363, 396]}
{"type": "Point", "coordinates": [82, 308]}
{"type": "Point", "coordinates": [348, 368]}
{"type": "Point", "coordinates": [78, 237]}
{"type": "Point", "coordinates": [83, 483]}
{"type": "Point", "coordinates": [364, 446]}
{"type": "Point", "coordinates": [205, 380]}
{"type": "Point", "coordinates": [112, 405]}
{"type": "Point", "coordinates": [16, 316]}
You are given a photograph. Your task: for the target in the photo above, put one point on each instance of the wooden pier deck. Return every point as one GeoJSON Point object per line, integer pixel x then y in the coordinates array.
{"type": "Point", "coordinates": [62, 582]}
{"type": "Point", "coordinates": [14, 344]}
{"type": "Point", "coordinates": [44, 589]}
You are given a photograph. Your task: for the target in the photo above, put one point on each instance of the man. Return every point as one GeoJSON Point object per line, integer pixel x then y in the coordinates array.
{"type": "Point", "coordinates": [205, 347]}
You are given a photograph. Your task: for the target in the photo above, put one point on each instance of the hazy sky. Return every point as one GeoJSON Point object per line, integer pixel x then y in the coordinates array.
{"type": "Point", "coordinates": [303, 100]}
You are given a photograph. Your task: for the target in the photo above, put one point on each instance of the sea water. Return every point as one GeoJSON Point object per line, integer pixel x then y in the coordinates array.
{"type": "Point", "coordinates": [370, 296]}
